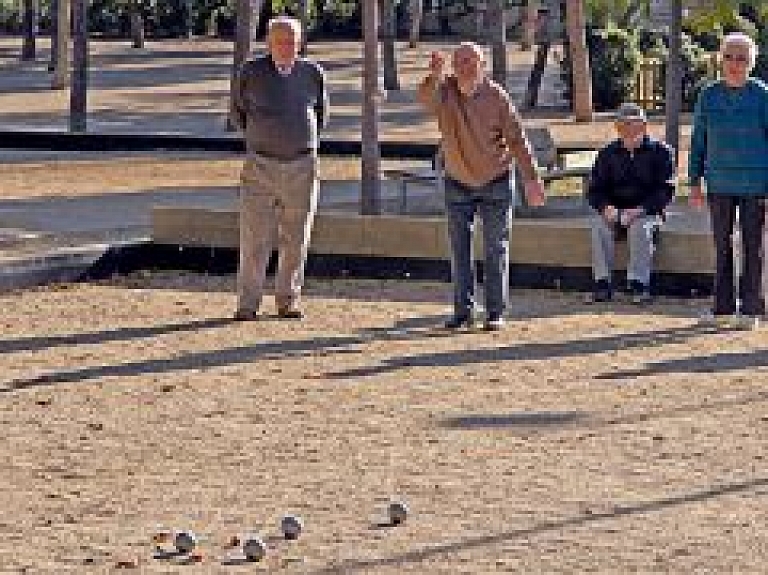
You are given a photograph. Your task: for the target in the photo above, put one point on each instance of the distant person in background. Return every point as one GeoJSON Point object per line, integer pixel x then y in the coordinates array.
{"type": "Point", "coordinates": [279, 102]}
{"type": "Point", "coordinates": [482, 139]}
{"type": "Point", "coordinates": [729, 152]}
{"type": "Point", "coordinates": [631, 184]}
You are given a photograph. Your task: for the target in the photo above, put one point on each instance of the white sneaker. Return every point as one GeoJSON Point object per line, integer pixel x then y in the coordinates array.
{"type": "Point", "coordinates": [747, 322]}
{"type": "Point", "coordinates": [719, 320]}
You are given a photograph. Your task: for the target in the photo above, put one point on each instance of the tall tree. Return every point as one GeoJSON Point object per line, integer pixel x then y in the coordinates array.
{"type": "Point", "coordinates": [389, 44]}
{"type": "Point", "coordinates": [530, 23]}
{"type": "Point", "coordinates": [415, 12]}
{"type": "Point", "coordinates": [370, 192]}
{"type": "Point", "coordinates": [61, 72]}
{"type": "Point", "coordinates": [581, 89]}
{"type": "Point", "coordinates": [53, 29]}
{"type": "Point", "coordinates": [304, 6]}
{"type": "Point", "coordinates": [29, 27]}
{"type": "Point", "coordinates": [242, 49]}
{"type": "Point", "coordinates": [188, 21]}
{"type": "Point", "coordinates": [673, 104]}
{"type": "Point", "coordinates": [498, 31]}
{"type": "Point", "coordinates": [136, 22]}
{"type": "Point", "coordinates": [78, 95]}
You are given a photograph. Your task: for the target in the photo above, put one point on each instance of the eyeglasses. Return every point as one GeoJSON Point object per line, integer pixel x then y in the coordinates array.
{"type": "Point", "coordinates": [735, 58]}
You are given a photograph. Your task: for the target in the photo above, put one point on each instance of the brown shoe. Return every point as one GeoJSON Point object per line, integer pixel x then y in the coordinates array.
{"type": "Point", "coordinates": [290, 313]}
{"type": "Point", "coordinates": [246, 315]}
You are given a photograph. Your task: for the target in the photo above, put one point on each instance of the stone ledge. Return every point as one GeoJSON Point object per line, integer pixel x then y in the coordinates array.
{"type": "Point", "coordinates": [558, 242]}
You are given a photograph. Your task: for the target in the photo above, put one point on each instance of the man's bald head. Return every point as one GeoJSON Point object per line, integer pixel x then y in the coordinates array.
{"type": "Point", "coordinates": [468, 65]}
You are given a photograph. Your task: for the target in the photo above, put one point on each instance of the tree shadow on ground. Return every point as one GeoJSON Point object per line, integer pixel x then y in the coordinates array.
{"type": "Point", "coordinates": [532, 351]}
{"type": "Point", "coordinates": [270, 350]}
{"type": "Point", "coordinates": [37, 343]}
{"type": "Point", "coordinates": [537, 422]}
{"type": "Point", "coordinates": [715, 363]}
{"type": "Point", "coordinates": [585, 519]}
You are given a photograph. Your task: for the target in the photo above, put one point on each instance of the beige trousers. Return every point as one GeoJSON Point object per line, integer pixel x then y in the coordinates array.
{"type": "Point", "coordinates": [278, 200]}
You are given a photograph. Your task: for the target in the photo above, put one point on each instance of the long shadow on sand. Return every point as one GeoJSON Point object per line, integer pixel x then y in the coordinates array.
{"type": "Point", "coordinates": [715, 363]}
{"type": "Point", "coordinates": [618, 512]}
{"type": "Point", "coordinates": [281, 349]}
{"type": "Point", "coordinates": [532, 351]}
{"type": "Point", "coordinates": [355, 343]}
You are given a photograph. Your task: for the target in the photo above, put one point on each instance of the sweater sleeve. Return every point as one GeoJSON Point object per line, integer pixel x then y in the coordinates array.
{"type": "Point", "coordinates": [697, 153]}
{"type": "Point", "coordinates": [664, 181]}
{"type": "Point", "coordinates": [599, 183]}
{"type": "Point", "coordinates": [428, 93]}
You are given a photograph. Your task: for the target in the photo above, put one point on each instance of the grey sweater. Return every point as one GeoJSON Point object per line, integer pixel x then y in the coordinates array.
{"type": "Point", "coordinates": [280, 114]}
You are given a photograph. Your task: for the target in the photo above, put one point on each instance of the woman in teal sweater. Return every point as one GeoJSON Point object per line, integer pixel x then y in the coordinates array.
{"type": "Point", "coordinates": [729, 151]}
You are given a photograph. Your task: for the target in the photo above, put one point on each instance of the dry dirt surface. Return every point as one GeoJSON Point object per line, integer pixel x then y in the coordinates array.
{"type": "Point", "coordinates": [579, 439]}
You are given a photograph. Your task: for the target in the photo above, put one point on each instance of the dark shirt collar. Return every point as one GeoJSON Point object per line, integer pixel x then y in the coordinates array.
{"type": "Point", "coordinates": [276, 68]}
{"type": "Point", "coordinates": [645, 144]}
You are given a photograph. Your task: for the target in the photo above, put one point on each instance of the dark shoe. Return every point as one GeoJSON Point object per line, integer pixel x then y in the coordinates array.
{"type": "Point", "coordinates": [246, 315]}
{"type": "Point", "coordinates": [494, 323]}
{"type": "Point", "coordinates": [290, 313]}
{"type": "Point", "coordinates": [602, 292]}
{"type": "Point", "coordinates": [460, 321]}
{"type": "Point", "coordinates": [639, 292]}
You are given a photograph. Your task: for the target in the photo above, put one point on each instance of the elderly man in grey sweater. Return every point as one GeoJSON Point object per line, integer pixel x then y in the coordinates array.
{"type": "Point", "coordinates": [279, 101]}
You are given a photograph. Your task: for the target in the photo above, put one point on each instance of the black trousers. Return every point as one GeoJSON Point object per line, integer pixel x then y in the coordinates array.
{"type": "Point", "coordinates": [752, 223]}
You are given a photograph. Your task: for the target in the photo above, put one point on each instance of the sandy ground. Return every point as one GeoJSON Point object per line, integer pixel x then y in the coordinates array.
{"type": "Point", "coordinates": [580, 439]}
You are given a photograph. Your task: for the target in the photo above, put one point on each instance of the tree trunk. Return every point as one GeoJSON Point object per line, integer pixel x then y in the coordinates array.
{"type": "Point", "coordinates": [29, 27]}
{"type": "Point", "coordinates": [78, 96]}
{"type": "Point", "coordinates": [389, 45]}
{"type": "Point", "coordinates": [61, 72]}
{"type": "Point", "coordinates": [498, 30]}
{"type": "Point", "coordinates": [137, 24]}
{"type": "Point", "coordinates": [416, 12]}
{"type": "Point", "coordinates": [581, 88]}
{"type": "Point", "coordinates": [241, 51]}
{"type": "Point", "coordinates": [304, 18]}
{"type": "Point", "coordinates": [537, 73]}
{"type": "Point", "coordinates": [54, 27]}
{"type": "Point", "coordinates": [188, 21]}
{"type": "Point", "coordinates": [257, 7]}
{"type": "Point", "coordinates": [530, 22]}
{"type": "Point", "coordinates": [674, 80]}
{"type": "Point", "coordinates": [370, 193]}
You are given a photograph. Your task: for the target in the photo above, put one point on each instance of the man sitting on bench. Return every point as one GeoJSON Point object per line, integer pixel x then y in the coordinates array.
{"type": "Point", "coordinates": [630, 187]}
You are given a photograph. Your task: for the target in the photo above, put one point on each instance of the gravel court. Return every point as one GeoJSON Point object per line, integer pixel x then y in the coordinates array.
{"type": "Point", "coordinates": [579, 439]}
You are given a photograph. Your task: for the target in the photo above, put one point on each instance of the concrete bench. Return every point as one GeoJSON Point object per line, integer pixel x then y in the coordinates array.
{"type": "Point", "coordinates": [685, 245]}
{"type": "Point", "coordinates": [547, 156]}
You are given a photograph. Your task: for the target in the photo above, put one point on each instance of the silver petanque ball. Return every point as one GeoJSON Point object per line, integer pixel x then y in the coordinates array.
{"type": "Point", "coordinates": [398, 512]}
{"type": "Point", "coordinates": [291, 526]}
{"type": "Point", "coordinates": [185, 541]}
{"type": "Point", "coordinates": [254, 548]}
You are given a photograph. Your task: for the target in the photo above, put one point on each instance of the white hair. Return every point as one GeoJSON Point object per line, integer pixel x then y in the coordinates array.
{"type": "Point", "coordinates": [285, 23]}
{"type": "Point", "coordinates": [741, 39]}
{"type": "Point", "coordinates": [476, 48]}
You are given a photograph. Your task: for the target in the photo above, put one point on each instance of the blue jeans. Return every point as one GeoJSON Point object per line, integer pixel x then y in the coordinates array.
{"type": "Point", "coordinates": [493, 202]}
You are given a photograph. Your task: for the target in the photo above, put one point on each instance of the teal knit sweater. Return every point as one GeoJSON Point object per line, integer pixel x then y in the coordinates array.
{"type": "Point", "coordinates": [729, 144]}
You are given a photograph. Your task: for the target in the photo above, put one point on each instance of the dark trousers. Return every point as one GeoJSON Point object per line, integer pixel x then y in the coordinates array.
{"type": "Point", "coordinates": [752, 223]}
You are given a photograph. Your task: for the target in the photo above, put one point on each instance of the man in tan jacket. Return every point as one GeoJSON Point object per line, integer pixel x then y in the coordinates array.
{"type": "Point", "coordinates": [482, 139]}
